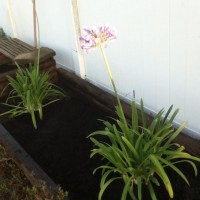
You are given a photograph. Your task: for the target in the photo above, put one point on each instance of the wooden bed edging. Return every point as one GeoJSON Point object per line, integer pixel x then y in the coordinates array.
{"type": "Point", "coordinates": [107, 102]}
{"type": "Point", "coordinates": [31, 169]}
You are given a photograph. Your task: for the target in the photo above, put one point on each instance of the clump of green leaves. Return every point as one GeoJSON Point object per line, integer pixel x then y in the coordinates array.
{"type": "Point", "coordinates": [15, 186]}
{"type": "Point", "coordinates": [31, 91]}
{"type": "Point", "coordinates": [139, 154]}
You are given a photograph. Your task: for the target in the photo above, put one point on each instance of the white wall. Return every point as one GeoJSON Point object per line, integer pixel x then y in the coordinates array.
{"type": "Point", "coordinates": [57, 30]}
{"type": "Point", "coordinates": [157, 53]}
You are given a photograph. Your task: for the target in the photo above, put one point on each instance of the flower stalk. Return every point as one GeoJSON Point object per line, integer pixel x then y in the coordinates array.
{"type": "Point", "coordinates": [100, 36]}
{"type": "Point", "coordinates": [110, 75]}
{"type": "Point", "coordinates": [113, 85]}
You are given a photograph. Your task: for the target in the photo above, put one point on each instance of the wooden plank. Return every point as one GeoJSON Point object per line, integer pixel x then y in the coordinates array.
{"type": "Point", "coordinates": [46, 55]}
{"type": "Point", "coordinates": [20, 47]}
{"type": "Point", "coordinates": [31, 48]}
{"type": "Point", "coordinates": [13, 47]}
{"type": "Point", "coordinates": [7, 53]}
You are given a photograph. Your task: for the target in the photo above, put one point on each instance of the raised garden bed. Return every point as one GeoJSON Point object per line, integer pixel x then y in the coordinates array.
{"type": "Point", "coordinates": [61, 148]}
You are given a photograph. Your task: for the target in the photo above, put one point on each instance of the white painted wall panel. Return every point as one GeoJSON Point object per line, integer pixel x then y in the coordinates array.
{"type": "Point", "coordinates": [57, 30]}
{"type": "Point", "coordinates": [185, 60]}
{"type": "Point", "coordinates": [178, 54]}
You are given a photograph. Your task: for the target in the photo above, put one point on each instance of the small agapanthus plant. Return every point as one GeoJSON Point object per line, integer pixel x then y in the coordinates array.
{"type": "Point", "coordinates": [135, 153]}
{"type": "Point", "coordinates": [31, 90]}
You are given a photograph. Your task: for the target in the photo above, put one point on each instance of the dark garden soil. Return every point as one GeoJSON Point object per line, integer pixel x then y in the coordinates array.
{"type": "Point", "coordinates": [61, 147]}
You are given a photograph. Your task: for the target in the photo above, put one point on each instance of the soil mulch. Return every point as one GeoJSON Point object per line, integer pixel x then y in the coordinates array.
{"type": "Point", "coordinates": [61, 147]}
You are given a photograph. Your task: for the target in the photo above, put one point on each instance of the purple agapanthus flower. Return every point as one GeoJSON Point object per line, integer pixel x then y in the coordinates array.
{"type": "Point", "coordinates": [96, 36]}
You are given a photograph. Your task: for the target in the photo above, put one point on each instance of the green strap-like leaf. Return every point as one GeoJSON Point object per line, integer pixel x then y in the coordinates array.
{"type": "Point", "coordinates": [151, 191]}
{"type": "Point", "coordinates": [144, 122]}
{"type": "Point", "coordinates": [119, 140]}
{"type": "Point", "coordinates": [173, 116]}
{"type": "Point", "coordinates": [161, 173]}
{"type": "Point", "coordinates": [167, 114]}
{"type": "Point", "coordinates": [124, 129]}
{"type": "Point", "coordinates": [175, 134]}
{"type": "Point", "coordinates": [104, 167]}
{"type": "Point", "coordinates": [104, 177]}
{"type": "Point", "coordinates": [131, 147]}
{"type": "Point", "coordinates": [139, 187]}
{"type": "Point", "coordinates": [175, 169]}
{"type": "Point", "coordinates": [155, 180]}
{"type": "Point", "coordinates": [182, 155]}
{"type": "Point", "coordinates": [106, 184]}
{"type": "Point", "coordinates": [134, 116]}
{"type": "Point", "coordinates": [191, 163]}
{"type": "Point", "coordinates": [122, 157]}
{"type": "Point", "coordinates": [127, 189]}
{"type": "Point", "coordinates": [138, 144]}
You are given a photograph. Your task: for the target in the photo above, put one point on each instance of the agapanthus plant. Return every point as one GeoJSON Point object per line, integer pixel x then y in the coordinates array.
{"type": "Point", "coordinates": [135, 153]}
{"type": "Point", "coordinates": [31, 90]}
